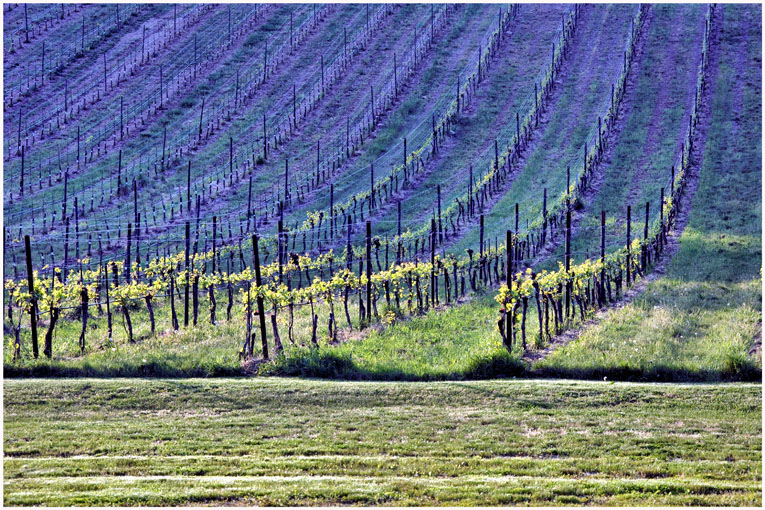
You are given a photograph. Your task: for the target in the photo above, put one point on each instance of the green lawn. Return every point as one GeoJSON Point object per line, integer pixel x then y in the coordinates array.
{"type": "Point", "coordinates": [277, 441]}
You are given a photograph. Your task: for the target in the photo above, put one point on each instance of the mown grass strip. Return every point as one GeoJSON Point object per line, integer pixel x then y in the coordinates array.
{"type": "Point", "coordinates": [492, 442]}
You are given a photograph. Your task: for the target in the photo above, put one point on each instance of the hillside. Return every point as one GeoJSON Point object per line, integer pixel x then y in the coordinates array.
{"type": "Point", "coordinates": [305, 125]}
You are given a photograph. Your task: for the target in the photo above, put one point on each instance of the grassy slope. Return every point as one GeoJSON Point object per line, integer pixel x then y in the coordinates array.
{"type": "Point", "coordinates": [451, 55]}
{"type": "Point", "coordinates": [184, 112]}
{"type": "Point", "coordinates": [705, 312]}
{"type": "Point", "coordinates": [183, 442]}
{"type": "Point", "coordinates": [460, 342]}
{"type": "Point", "coordinates": [509, 88]}
{"type": "Point", "coordinates": [655, 120]}
{"type": "Point", "coordinates": [135, 89]}
{"type": "Point", "coordinates": [593, 64]}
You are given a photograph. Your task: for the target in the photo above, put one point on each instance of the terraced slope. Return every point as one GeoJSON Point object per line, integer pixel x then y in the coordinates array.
{"type": "Point", "coordinates": [507, 89]}
{"type": "Point", "coordinates": [584, 94]}
{"type": "Point", "coordinates": [644, 144]}
{"type": "Point", "coordinates": [103, 174]}
{"type": "Point", "coordinates": [652, 130]}
{"type": "Point", "coordinates": [703, 314]}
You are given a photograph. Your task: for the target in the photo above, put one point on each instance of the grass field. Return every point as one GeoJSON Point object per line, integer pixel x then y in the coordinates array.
{"type": "Point", "coordinates": [120, 442]}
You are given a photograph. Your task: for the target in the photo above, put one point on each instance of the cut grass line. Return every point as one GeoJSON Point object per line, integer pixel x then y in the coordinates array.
{"type": "Point", "coordinates": [436, 481]}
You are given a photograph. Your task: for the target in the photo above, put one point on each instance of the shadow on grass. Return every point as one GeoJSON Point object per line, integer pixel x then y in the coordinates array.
{"type": "Point", "coordinates": [743, 370]}
{"type": "Point", "coordinates": [331, 364]}
{"type": "Point", "coordinates": [85, 369]}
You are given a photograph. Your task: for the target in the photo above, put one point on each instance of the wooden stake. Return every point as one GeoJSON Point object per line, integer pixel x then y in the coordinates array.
{"type": "Point", "coordinates": [369, 270]}
{"type": "Point", "coordinates": [186, 288]}
{"type": "Point", "coordinates": [261, 310]}
{"type": "Point", "coordinates": [31, 286]}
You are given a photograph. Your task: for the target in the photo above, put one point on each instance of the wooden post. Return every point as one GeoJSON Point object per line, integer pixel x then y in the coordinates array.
{"type": "Point", "coordinates": [121, 127]}
{"type": "Point", "coordinates": [127, 261]}
{"type": "Point", "coordinates": [287, 180]}
{"type": "Point", "coordinates": [249, 204]}
{"type": "Point", "coordinates": [136, 219]}
{"type": "Point", "coordinates": [66, 185]}
{"type": "Point", "coordinates": [544, 217]}
{"type": "Point", "coordinates": [435, 133]}
{"type": "Point", "coordinates": [21, 179]}
{"type": "Point", "coordinates": [516, 218]}
{"type": "Point", "coordinates": [265, 61]}
{"type": "Point", "coordinates": [119, 172]}
{"type": "Point", "coordinates": [496, 155]}
{"type": "Point", "coordinates": [672, 183]}
{"type": "Point", "coordinates": [369, 271]}
{"type": "Point", "coordinates": [201, 115]}
{"type": "Point", "coordinates": [188, 189]}
{"type": "Point", "coordinates": [440, 226]}
{"type": "Point", "coordinates": [517, 132]}
{"type": "Point", "coordinates": [602, 252]}
{"type": "Point", "coordinates": [215, 225]}
{"type": "Point", "coordinates": [186, 289]}
{"type": "Point", "coordinates": [261, 310]}
{"type": "Point", "coordinates": [480, 234]}
{"type": "Point", "coordinates": [644, 251]}
{"type": "Point", "coordinates": [164, 144]}
{"type": "Point", "coordinates": [372, 89]}
{"type": "Point", "coordinates": [332, 210]}
{"type": "Point", "coordinates": [661, 221]}
{"type": "Point", "coordinates": [398, 251]}
{"type": "Point", "coordinates": [265, 139]}
{"type": "Point", "coordinates": [509, 283]}
{"type": "Point", "coordinates": [66, 250]}
{"type": "Point", "coordinates": [433, 262]}
{"type": "Point", "coordinates": [395, 75]}
{"type": "Point", "coordinates": [405, 169]}
{"type": "Point", "coordinates": [230, 156]}
{"type": "Point", "coordinates": [612, 102]}
{"type": "Point", "coordinates": [568, 261]}
{"type": "Point", "coordinates": [371, 186]}
{"type": "Point", "coordinates": [26, 32]}
{"type": "Point", "coordinates": [30, 283]}
{"type": "Point", "coordinates": [629, 243]}
{"type": "Point", "coordinates": [280, 248]}
{"type": "Point", "coordinates": [568, 187]}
